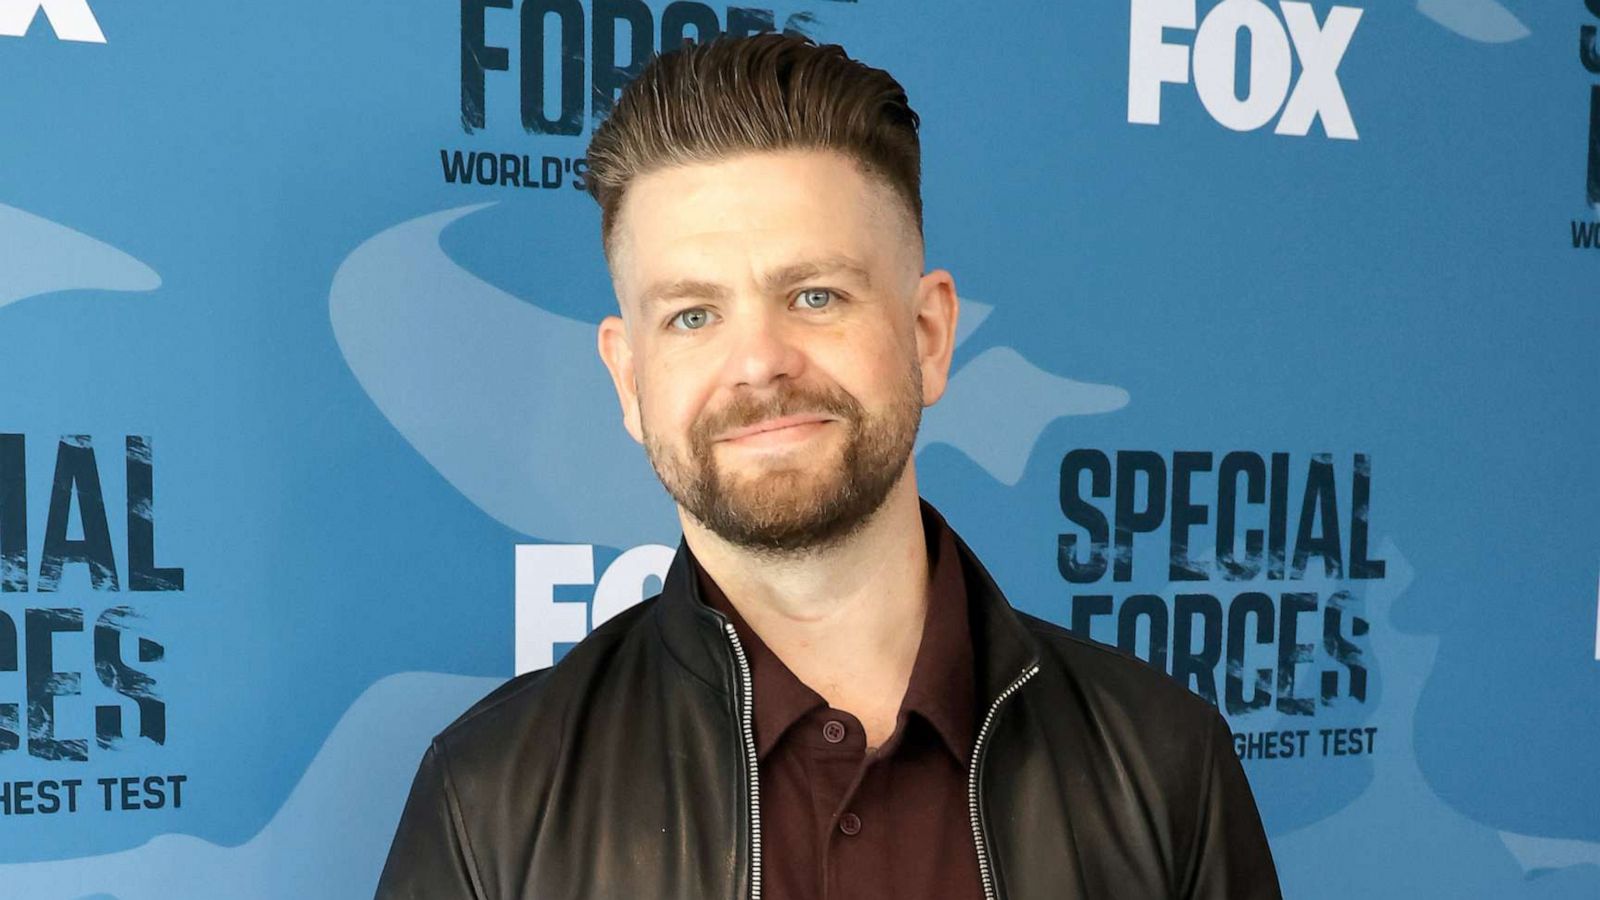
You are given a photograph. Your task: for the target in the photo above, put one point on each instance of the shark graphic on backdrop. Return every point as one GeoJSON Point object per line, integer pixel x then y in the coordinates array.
{"type": "Point", "coordinates": [1486, 21]}
{"type": "Point", "coordinates": [509, 402]}
{"type": "Point", "coordinates": [1398, 805]}
{"type": "Point", "coordinates": [39, 256]}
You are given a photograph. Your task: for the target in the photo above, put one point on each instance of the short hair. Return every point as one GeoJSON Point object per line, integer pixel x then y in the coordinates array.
{"type": "Point", "coordinates": [704, 102]}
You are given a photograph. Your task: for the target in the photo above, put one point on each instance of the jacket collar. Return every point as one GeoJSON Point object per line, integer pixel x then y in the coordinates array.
{"type": "Point", "coordinates": [696, 634]}
{"type": "Point", "coordinates": [1003, 647]}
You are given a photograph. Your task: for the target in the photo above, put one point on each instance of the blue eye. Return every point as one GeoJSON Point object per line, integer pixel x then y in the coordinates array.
{"type": "Point", "coordinates": [692, 319]}
{"type": "Point", "coordinates": [815, 298]}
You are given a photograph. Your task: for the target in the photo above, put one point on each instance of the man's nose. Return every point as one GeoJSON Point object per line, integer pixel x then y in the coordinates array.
{"type": "Point", "coordinates": [764, 348]}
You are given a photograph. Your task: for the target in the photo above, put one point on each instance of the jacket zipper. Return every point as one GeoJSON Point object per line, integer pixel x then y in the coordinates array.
{"type": "Point", "coordinates": [748, 732]}
{"type": "Point", "coordinates": [984, 867]}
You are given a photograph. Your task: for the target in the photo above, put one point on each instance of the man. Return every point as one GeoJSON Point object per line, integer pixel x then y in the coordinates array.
{"type": "Point", "coordinates": [830, 698]}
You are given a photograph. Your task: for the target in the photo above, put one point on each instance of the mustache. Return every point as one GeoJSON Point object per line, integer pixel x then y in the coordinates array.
{"type": "Point", "coordinates": [748, 409]}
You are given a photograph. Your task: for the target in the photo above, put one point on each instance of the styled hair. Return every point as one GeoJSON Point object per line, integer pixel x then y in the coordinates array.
{"type": "Point", "coordinates": [705, 102]}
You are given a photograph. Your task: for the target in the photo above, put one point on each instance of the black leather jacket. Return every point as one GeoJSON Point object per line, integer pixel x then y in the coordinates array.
{"type": "Point", "coordinates": [628, 772]}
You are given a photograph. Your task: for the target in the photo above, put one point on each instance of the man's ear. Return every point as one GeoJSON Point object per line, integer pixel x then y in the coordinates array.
{"type": "Point", "coordinates": [936, 308]}
{"type": "Point", "coordinates": [617, 354]}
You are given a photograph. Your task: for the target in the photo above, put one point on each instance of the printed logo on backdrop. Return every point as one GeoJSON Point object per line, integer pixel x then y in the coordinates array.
{"type": "Point", "coordinates": [1586, 234]}
{"type": "Point", "coordinates": [1168, 43]}
{"type": "Point", "coordinates": [1262, 565]}
{"type": "Point", "coordinates": [556, 60]}
{"type": "Point", "coordinates": [70, 593]}
{"type": "Point", "coordinates": [72, 20]}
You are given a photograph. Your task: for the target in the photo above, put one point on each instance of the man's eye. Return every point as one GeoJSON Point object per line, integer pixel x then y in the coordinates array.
{"type": "Point", "coordinates": [692, 319]}
{"type": "Point", "coordinates": [815, 298]}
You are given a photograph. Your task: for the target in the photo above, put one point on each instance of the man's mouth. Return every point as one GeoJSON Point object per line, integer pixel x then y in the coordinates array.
{"type": "Point", "coordinates": [783, 427]}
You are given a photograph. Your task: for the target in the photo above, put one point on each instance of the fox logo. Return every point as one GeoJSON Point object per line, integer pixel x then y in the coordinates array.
{"type": "Point", "coordinates": [1153, 60]}
{"type": "Point", "coordinates": [72, 20]}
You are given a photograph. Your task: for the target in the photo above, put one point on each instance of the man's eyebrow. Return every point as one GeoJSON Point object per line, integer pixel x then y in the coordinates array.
{"type": "Point", "coordinates": [807, 269]}
{"type": "Point", "coordinates": [776, 280]}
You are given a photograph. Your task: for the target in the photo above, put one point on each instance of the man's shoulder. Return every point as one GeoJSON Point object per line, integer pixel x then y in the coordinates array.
{"type": "Point", "coordinates": [1113, 680]}
{"type": "Point", "coordinates": [534, 706]}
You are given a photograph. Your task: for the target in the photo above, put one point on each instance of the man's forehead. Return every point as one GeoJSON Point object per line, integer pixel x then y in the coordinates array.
{"type": "Point", "coordinates": [775, 216]}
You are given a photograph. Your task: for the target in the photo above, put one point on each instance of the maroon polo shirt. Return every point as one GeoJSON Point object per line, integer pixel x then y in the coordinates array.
{"type": "Point", "coordinates": [839, 822]}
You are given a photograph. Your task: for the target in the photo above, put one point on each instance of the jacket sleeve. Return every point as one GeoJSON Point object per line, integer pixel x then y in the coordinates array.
{"type": "Point", "coordinates": [430, 857]}
{"type": "Point", "coordinates": [1232, 859]}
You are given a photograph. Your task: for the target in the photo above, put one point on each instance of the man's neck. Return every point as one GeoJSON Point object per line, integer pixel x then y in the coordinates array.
{"type": "Point", "coordinates": [846, 620]}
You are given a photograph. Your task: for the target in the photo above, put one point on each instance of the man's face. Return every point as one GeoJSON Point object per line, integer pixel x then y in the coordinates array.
{"type": "Point", "coordinates": [775, 352]}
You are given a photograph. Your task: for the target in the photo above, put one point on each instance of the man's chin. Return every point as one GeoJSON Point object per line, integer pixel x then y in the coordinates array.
{"type": "Point", "coordinates": [779, 514]}
{"type": "Point", "coordinates": [771, 502]}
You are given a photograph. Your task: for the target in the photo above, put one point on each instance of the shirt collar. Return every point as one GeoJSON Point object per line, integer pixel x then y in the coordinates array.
{"type": "Point", "coordinates": [941, 688]}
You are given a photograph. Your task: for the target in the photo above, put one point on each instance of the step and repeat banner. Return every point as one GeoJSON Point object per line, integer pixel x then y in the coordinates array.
{"type": "Point", "coordinates": [1278, 367]}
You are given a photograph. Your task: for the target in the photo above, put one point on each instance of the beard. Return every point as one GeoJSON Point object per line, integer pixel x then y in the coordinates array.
{"type": "Point", "coordinates": [789, 504]}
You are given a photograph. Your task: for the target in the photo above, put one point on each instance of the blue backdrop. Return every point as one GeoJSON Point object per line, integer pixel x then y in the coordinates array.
{"type": "Point", "coordinates": [1277, 366]}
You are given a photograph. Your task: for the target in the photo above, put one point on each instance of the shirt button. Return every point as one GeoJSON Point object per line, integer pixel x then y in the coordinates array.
{"type": "Point", "coordinates": [833, 731]}
{"type": "Point", "coordinates": [850, 823]}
